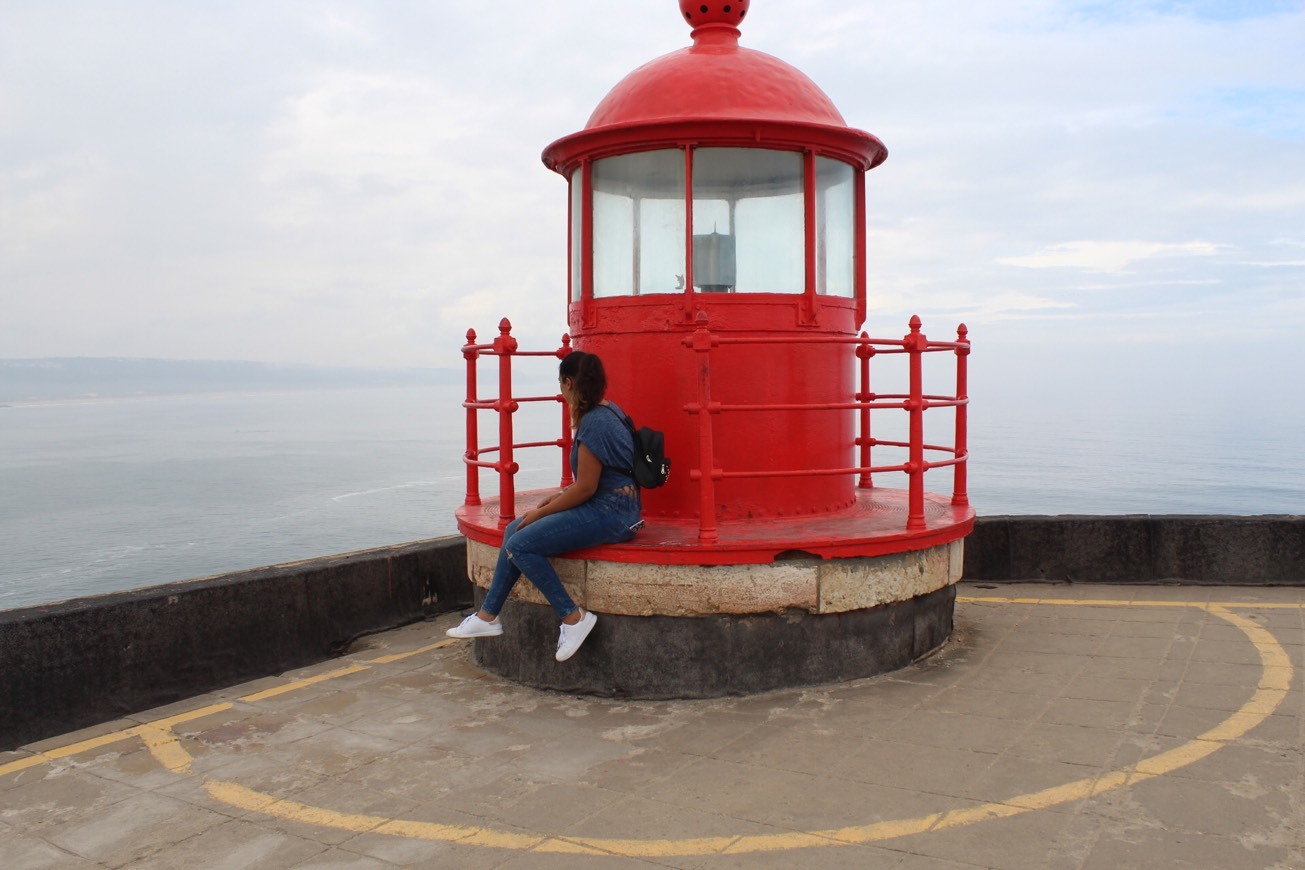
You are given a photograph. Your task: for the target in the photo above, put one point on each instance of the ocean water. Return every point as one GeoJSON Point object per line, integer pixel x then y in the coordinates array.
{"type": "Point", "coordinates": [102, 496]}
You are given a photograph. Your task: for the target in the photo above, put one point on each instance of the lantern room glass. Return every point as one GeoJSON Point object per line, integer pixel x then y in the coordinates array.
{"type": "Point", "coordinates": [577, 230]}
{"type": "Point", "coordinates": [638, 224]}
{"type": "Point", "coordinates": [749, 230]}
{"type": "Point", "coordinates": [748, 221]}
{"type": "Point", "coordinates": [835, 228]}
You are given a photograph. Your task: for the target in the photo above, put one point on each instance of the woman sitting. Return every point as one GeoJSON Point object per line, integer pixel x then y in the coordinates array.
{"type": "Point", "coordinates": [601, 507]}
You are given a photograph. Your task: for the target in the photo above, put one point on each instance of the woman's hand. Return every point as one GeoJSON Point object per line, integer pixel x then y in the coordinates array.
{"type": "Point", "coordinates": [529, 517]}
{"type": "Point", "coordinates": [538, 510]}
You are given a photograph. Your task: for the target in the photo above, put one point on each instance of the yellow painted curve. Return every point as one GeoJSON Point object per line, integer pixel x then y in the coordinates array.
{"type": "Point", "coordinates": [1274, 683]}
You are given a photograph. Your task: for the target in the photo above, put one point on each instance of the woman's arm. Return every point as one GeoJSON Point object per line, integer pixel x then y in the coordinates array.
{"type": "Point", "coordinates": [586, 484]}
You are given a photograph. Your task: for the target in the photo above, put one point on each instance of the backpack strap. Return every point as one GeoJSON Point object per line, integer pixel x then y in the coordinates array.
{"type": "Point", "coordinates": [629, 424]}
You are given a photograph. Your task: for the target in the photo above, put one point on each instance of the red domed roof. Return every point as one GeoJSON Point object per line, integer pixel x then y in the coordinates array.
{"type": "Point", "coordinates": [715, 91]}
{"type": "Point", "coordinates": [716, 78]}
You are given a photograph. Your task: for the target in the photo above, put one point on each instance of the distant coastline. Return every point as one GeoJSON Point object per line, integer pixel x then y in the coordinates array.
{"type": "Point", "coordinates": [26, 382]}
{"type": "Point", "coordinates": [95, 399]}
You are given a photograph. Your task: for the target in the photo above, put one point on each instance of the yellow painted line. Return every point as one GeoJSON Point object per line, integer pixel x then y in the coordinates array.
{"type": "Point", "coordinates": [239, 796]}
{"type": "Point", "coordinates": [166, 724]}
{"type": "Point", "coordinates": [23, 763]}
{"type": "Point", "coordinates": [166, 749]}
{"type": "Point", "coordinates": [385, 660]}
{"type": "Point", "coordinates": [1274, 683]}
{"type": "Point", "coordinates": [87, 745]}
{"type": "Point", "coordinates": [1100, 602]}
{"type": "Point", "coordinates": [170, 722]}
{"type": "Point", "coordinates": [302, 684]}
{"type": "Point", "coordinates": [1084, 602]}
{"type": "Point", "coordinates": [1116, 602]}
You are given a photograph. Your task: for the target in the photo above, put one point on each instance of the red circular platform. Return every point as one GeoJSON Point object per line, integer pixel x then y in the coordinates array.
{"type": "Point", "coordinates": [874, 526]}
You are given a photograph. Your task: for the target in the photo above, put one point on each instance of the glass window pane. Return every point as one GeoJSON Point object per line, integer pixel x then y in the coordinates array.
{"type": "Point", "coordinates": [639, 223]}
{"type": "Point", "coordinates": [747, 221]}
{"type": "Point", "coordinates": [835, 228]}
{"type": "Point", "coordinates": [613, 242]}
{"type": "Point", "coordinates": [577, 212]}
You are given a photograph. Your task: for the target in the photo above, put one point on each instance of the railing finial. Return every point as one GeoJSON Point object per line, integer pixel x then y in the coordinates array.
{"type": "Point", "coordinates": [864, 349]}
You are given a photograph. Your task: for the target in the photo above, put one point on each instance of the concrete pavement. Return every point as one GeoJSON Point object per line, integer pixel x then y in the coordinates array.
{"type": "Point", "coordinates": [1077, 726]}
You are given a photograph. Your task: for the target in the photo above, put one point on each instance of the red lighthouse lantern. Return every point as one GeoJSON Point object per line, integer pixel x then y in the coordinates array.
{"type": "Point", "coordinates": [720, 180]}
{"type": "Point", "coordinates": [717, 265]}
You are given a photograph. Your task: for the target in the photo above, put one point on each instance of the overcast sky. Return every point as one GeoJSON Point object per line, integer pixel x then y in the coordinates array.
{"type": "Point", "coordinates": [1114, 186]}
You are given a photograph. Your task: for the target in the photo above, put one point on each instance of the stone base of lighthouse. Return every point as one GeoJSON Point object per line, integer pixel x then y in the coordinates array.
{"type": "Point", "coordinates": [705, 630]}
{"type": "Point", "coordinates": [655, 657]}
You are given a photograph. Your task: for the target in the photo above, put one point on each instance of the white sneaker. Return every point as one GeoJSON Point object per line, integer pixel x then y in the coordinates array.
{"type": "Point", "coordinates": [573, 635]}
{"type": "Point", "coordinates": [474, 626]}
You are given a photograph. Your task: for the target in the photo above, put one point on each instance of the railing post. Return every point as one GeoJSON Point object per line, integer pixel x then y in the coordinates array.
{"type": "Point", "coordinates": [863, 352]}
{"type": "Point", "coordinates": [701, 342]}
{"type": "Point", "coordinates": [567, 434]}
{"type": "Point", "coordinates": [505, 345]}
{"type": "Point", "coordinates": [961, 468]}
{"type": "Point", "coordinates": [915, 344]}
{"type": "Point", "coordinates": [470, 353]}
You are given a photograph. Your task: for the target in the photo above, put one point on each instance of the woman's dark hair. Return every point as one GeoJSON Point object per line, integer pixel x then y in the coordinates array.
{"type": "Point", "coordinates": [588, 380]}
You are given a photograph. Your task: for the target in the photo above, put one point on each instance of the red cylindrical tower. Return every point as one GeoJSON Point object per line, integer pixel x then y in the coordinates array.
{"type": "Point", "coordinates": [717, 265]}
{"type": "Point", "coordinates": [721, 180]}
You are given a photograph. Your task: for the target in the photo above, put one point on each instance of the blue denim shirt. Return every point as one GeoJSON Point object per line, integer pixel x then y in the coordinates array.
{"type": "Point", "coordinates": [602, 430]}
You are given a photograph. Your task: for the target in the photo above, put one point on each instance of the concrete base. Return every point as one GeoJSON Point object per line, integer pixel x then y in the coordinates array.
{"type": "Point", "coordinates": [653, 657]}
{"type": "Point", "coordinates": [704, 630]}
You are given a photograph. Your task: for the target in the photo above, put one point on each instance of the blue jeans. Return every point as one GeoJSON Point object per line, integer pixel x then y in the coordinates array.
{"type": "Point", "coordinates": [607, 518]}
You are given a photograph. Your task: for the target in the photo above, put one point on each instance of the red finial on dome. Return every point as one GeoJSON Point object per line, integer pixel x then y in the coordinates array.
{"type": "Point", "coordinates": [703, 12]}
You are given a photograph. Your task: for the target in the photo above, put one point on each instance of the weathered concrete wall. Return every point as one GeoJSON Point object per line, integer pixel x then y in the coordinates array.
{"type": "Point", "coordinates": [1219, 550]}
{"type": "Point", "coordinates": [68, 665]}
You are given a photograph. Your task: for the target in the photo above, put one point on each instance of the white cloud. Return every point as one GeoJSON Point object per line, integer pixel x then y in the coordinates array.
{"type": "Point", "coordinates": [45, 200]}
{"type": "Point", "coordinates": [1106, 256]}
{"type": "Point", "coordinates": [358, 126]}
{"type": "Point", "coordinates": [1006, 305]}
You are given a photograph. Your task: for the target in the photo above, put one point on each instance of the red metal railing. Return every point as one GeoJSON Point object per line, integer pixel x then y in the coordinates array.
{"type": "Point", "coordinates": [701, 342]}
{"type": "Point", "coordinates": [505, 347]}
{"type": "Point", "coordinates": [915, 402]}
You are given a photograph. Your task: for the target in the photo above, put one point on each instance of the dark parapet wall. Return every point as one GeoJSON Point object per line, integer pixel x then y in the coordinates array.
{"type": "Point", "coordinates": [76, 663]}
{"type": "Point", "coordinates": [1218, 550]}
